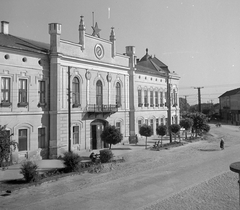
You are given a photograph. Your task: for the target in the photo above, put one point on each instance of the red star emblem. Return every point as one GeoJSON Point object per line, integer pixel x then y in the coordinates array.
{"type": "Point", "coordinates": [96, 30]}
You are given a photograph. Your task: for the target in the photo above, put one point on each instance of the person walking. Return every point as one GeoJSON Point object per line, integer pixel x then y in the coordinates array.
{"type": "Point", "coordinates": [222, 143]}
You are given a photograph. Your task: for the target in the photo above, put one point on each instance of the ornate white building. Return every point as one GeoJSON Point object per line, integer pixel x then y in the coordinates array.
{"type": "Point", "coordinates": [105, 88]}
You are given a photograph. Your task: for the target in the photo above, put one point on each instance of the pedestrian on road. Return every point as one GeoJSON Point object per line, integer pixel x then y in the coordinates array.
{"type": "Point", "coordinates": [222, 143]}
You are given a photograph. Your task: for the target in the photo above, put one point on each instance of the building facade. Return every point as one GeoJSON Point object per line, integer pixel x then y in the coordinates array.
{"type": "Point", "coordinates": [230, 106]}
{"type": "Point", "coordinates": [49, 91]}
{"type": "Point", "coordinates": [148, 92]}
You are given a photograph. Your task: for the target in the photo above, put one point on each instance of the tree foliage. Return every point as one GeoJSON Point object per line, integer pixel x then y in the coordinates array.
{"type": "Point", "coordinates": [175, 128]}
{"type": "Point", "coordinates": [6, 145]}
{"type": "Point", "coordinates": [111, 135]}
{"type": "Point", "coordinates": [146, 130]}
{"type": "Point", "coordinates": [161, 131]}
{"type": "Point", "coordinates": [199, 121]}
{"type": "Point", "coordinates": [186, 123]}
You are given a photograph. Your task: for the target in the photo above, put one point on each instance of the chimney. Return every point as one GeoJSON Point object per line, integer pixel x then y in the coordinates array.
{"type": "Point", "coordinates": [5, 27]}
{"type": "Point", "coordinates": [82, 30]}
{"type": "Point", "coordinates": [113, 40]}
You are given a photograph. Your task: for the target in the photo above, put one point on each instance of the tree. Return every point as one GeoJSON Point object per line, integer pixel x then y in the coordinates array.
{"type": "Point", "coordinates": [186, 123]}
{"type": "Point", "coordinates": [111, 135]}
{"type": "Point", "coordinates": [161, 131]}
{"type": "Point", "coordinates": [199, 121]}
{"type": "Point", "coordinates": [5, 145]}
{"type": "Point", "coordinates": [175, 128]}
{"type": "Point", "coordinates": [145, 130]}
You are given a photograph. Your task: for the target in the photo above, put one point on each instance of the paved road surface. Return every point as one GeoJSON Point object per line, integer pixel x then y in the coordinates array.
{"type": "Point", "coordinates": [147, 177]}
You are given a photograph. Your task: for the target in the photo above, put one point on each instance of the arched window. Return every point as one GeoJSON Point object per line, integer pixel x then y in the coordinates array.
{"type": "Point", "coordinates": [99, 92]}
{"type": "Point", "coordinates": [118, 94]}
{"type": "Point", "coordinates": [76, 92]}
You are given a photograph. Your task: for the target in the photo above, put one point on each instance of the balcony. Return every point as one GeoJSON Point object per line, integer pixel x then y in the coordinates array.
{"type": "Point", "coordinates": [101, 110]}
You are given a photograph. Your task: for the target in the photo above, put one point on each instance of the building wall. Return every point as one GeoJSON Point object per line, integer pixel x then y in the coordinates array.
{"type": "Point", "coordinates": [33, 67]}
{"type": "Point", "coordinates": [85, 65]}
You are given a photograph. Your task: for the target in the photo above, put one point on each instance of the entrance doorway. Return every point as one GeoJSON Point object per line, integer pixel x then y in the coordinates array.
{"type": "Point", "coordinates": [97, 127]}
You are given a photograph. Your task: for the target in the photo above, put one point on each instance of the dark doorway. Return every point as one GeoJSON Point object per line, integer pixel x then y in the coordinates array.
{"type": "Point", "coordinates": [97, 126]}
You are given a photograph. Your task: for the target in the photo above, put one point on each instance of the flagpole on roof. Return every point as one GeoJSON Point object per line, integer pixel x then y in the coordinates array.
{"type": "Point", "coordinates": [93, 18]}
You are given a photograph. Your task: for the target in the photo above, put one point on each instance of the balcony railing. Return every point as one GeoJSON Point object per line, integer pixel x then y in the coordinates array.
{"type": "Point", "coordinates": [94, 108]}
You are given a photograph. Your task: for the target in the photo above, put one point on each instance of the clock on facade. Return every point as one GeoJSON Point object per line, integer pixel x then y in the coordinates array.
{"type": "Point", "coordinates": [99, 51]}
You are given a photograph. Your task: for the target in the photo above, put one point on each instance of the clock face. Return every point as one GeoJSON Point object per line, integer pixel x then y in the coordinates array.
{"type": "Point", "coordinates": [98, 50]}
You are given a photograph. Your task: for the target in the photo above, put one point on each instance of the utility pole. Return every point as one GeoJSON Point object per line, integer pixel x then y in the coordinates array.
{"type": "Point", "coordinates": [186, 103]}
{"type": "Point", "coordinates": [69, 112]}
{"type": "Point", "coordinates": [169, 107]}
{"type": "Point", "coordinates": [199, 98]}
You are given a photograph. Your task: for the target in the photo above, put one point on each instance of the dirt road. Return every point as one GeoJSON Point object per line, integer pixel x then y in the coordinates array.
{"type": "Point", "coordinates": [189, 177]}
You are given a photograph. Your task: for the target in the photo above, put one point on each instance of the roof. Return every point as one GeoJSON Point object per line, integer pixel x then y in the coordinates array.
{"type": "Point", "coordinates": [7, 40]}
{"type": "Point", "coordinates": [151, 65]}
{"type": "Point", "coordinates": [230, 92]}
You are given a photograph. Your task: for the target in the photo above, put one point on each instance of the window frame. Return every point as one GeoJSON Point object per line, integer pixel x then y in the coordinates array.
{"type": "Point", "coordinates": [22, 92]}
{"type": "Point", "coordinates": [99, 93]}
{"type": "Point", "coordinates": [4, 90]}
{"type": "Point", "coordinates": [42, 93]}
{"type": "Point", "coordinates": [118, 94]}
{"type": "Point", "coordinates": [24, 137]}
{"type": "Point", "coordinates": [151, 98]}
{"type": "Point", "coordinates": [140, 98]}
{"type": "Point", "coordinates": [42, 138]}
{"type": "Point", "coordinates": [76, 92]}
{"type": "Point", "coordinates": [76, 135]}
{"type": "Point", "coordinates": [118, 127]}
{"type": "Point", "coordinates": [146, 98]}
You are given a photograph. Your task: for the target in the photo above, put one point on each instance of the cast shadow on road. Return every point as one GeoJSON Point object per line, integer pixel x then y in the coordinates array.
{"type": "Point", "coordinates": [121, 148]}
{"type": "Point", "coordinates": [208, 150]}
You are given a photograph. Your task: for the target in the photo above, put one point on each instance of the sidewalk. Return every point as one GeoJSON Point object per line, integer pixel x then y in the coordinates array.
{"type": "Point", "coordinates": [13, 171]}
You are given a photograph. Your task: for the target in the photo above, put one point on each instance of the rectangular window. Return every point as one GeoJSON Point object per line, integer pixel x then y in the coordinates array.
{"type": "Point", "coordinates": [162, 121]}
{"type": "Point", "coordinates": [42, 92]}
{"type": "Point", "coordinates": [75, 134]}
{"type": "Point", "coordinates": [161, 99]}
{"type": "Point", "coordinates": [166, 98]}
{"type": "Point", "coordinates": [151, 124]}
{"type": "Point", "coordinates": [140, 98]}
{"type": "Point", "coordinates": [5, 89]}
{"type": "Point", "coordinates": [156, 98]}
{"type": "Point", "coordinates": [145, 98]}
{"type": "Point", "coordinates": [118, 126]}
{"type": "Point", "coordinates": [22, 139]}
{"type": "Point", "coordinates": [157, 123]}
{"type": "Point", "coordinates": [146, 121]}
{"type": "Point", "coordinates": [22, 94]}
{"type": "Point", "coordinates": [151, 98]}
{"type": "Point", "coordinates": [139, 125]}
{"type": "Point", "coordinates": [41, 138]}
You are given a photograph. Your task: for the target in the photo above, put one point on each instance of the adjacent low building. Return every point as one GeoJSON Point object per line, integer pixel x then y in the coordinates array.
{"type": "Point", "coordinates": [230, 106]}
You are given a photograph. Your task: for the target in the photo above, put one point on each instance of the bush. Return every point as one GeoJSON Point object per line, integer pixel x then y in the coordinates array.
{"type": "Point", "coordinates": [105, 155]}
{"type": "Point", "coordinates": [205, 128]}
{"type": "Point", "coordinates": [29, 171]}
{"type": "Point", "coordinates": [71, 161]}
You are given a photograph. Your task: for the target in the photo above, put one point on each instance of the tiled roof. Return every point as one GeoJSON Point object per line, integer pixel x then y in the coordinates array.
{"type": "Point", "coordinates": [230, 92]}
{"type": "Point", "coordinates": [151, 65]}
{"type": "Point", "coordinates": [7, 40]}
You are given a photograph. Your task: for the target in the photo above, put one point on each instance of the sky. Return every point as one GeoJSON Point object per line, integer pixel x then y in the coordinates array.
{"type": "Point", "coordinates": [198, 39]}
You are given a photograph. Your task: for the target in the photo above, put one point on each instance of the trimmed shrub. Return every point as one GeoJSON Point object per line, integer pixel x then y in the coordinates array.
{"type": "Point", "coordinates": [29, 171]}
{"type": "Point", "coordinates": [205, 128]}
{"type": "Point", "coordinates": [105, 155]}
{"type": "Point", "coordinates": [111, 135]}
{"type": "Point", "coordinates": [71, 161]}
